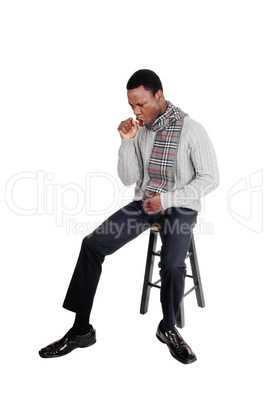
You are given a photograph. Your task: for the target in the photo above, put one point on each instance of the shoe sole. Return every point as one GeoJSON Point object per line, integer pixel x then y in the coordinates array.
{"type": "Point", "coordinates": [68, 351]}
{"type": "Point", "coordinates": [88, 344]}
{"type": "Point", "coordinates": [175, 357]}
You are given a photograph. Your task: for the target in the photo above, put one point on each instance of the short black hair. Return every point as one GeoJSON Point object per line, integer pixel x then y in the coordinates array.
{"type": "Point", "coordinates": [148, 78]}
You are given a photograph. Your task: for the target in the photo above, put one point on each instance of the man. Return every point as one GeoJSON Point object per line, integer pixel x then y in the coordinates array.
{"type": "Point", "coordinates": [172, 161]}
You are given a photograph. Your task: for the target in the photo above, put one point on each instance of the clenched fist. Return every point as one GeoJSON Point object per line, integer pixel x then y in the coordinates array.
{"type": "Point", "coordinates": [128, 128]}
{"type": "Point", "coordinates": [152, 203]}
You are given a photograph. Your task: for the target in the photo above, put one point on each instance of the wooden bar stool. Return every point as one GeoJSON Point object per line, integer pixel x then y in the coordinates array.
{"type": "Point", "coordinates": [147, 284]}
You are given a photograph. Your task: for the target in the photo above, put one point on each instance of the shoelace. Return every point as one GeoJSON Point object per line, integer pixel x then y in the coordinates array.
{"type": "Point", "coordinates": [173, 336]}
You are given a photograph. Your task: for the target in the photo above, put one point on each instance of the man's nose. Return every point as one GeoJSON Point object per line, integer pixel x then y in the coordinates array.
{"type": "Point", "coordinates": [137, 110]}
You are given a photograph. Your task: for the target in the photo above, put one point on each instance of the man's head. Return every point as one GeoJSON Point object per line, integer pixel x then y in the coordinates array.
{"type": "Point", "coordinates": [145, 96]}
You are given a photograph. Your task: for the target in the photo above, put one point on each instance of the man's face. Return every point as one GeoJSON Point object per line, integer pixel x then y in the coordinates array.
{"type": "Point", "coordinates": [144, 104]}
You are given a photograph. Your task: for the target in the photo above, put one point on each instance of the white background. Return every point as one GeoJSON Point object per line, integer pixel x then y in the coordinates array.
{"type": "Point", "coordinates": [64, 67]}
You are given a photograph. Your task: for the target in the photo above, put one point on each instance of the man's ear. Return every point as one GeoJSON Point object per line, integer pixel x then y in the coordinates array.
{"type": "Point", "coordinates": [159, 95]}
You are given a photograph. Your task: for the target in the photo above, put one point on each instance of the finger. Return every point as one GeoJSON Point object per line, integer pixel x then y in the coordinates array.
{"type": "Point", "coordinates": [127, 122]}
{"type": "Point", "coordinates": [130, 122]}
{"type": "Point", "coordinates": [125, 127]}
{"type": "Point", "coordinates": [134, 123]}
{"type": "Point", "coordinates": [145, 202]}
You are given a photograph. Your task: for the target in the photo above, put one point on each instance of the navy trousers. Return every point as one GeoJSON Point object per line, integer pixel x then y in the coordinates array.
{"type": "Point", "coordinates": [175, 228]}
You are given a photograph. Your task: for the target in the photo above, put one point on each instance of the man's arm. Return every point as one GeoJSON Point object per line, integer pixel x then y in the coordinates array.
{"type": "Point", "coordinates": [204, 161]}
{"type": "Point", "coordinates": [128, 165]}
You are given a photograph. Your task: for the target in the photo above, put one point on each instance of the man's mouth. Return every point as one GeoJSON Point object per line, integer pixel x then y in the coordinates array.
{"type": "Point", "coordinates": [141, 122]}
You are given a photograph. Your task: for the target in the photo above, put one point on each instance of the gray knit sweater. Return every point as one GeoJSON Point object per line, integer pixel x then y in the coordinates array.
{"type": "Point", "coordinates": [196, 170]}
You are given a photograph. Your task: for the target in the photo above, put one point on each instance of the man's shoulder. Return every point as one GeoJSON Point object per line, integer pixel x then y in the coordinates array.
{"type": "Point", "coordinates": [192, 125]}
{"type": "Point", "coordinates": [192, 129]}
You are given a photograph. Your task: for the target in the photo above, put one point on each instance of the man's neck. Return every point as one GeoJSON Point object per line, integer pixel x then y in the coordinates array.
{"type": "Point", "coordinates": [164, 108]}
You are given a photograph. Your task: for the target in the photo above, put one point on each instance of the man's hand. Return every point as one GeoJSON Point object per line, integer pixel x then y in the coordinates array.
{"type": "Point", "coordinates": [128, 128]}
{"type": "Point", "coordinates": [152, 204]}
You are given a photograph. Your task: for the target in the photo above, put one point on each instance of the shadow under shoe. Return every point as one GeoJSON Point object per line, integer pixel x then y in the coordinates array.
{"type": "Point", "coordinates": [69, 342]}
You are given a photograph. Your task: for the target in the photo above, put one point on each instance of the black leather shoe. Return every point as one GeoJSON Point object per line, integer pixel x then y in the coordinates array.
{"type": "Point", "coordinates": [69, 342]}
{"type": "Point", "coordinates": [177, 346]}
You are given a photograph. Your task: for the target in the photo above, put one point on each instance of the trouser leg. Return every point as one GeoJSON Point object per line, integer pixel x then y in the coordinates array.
{"type": "Point", "coordinates": [120, 228]}
{"type": "Point", "coordinates": [175, 231]}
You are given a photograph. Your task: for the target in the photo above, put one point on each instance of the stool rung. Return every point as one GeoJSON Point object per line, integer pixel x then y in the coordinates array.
{"type": "Point", "coordinates": [154, 285]}
{"type": "Point", "coordinates": [159, 287]}
{"type": "Point", "coordinates": [157, 253]}
{"type": "Point", "coordinates": [190, 290]}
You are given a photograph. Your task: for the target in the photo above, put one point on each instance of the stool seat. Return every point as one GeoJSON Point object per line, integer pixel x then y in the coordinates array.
{"type": "Point", "coordinates": [147, 283]}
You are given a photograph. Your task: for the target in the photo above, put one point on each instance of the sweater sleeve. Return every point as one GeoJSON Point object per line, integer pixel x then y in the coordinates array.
{"type": "Point", "coordinates": [128, 164]}
{"type": "Point", "coordinates": [206, 175]}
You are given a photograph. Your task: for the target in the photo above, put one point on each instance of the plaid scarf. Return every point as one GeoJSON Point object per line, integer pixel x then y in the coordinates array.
{"type": "Point", "coordinates": [161, 167]}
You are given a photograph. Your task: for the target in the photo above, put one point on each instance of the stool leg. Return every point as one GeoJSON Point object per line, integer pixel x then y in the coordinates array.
{"type": "Point", "coordinates": [196, 274]}
{"type": "Point", "coordinates": [148, 273]}
{"type": "Point", "coordinates": [180, 319]}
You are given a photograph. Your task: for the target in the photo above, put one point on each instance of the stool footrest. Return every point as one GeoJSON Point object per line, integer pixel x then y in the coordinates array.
{"type": "Point", "coordinates": [158, 254]}
{"type": "Point", "coordinates": [153, 285]}
{"type": "Point", "coordinates": [190, 290]}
